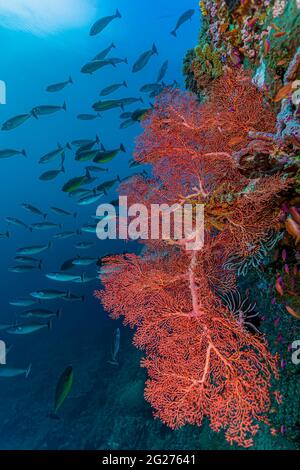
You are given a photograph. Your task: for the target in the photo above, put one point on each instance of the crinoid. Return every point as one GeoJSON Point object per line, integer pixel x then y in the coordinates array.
{"type": "Point", "coordinates": [243, 265]}
{"type": "Point", "coordinates": [243, 310]}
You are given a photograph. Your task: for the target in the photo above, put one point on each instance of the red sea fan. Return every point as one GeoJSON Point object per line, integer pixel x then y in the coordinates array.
{"type": "Point", "coordinates": [201, 361]}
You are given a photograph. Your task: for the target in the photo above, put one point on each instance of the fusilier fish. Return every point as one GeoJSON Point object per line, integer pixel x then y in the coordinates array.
{"type": "Point", "coordinates": [84, 261]}
{"type": "Point", "coordinates": [28, 328]}
{"type": "Point", "coordinates": [103, 22]}
{"type": "Point", "coordinates": [45, 226]}
{"type": "Point", "coordinates": [144, 58]}
{"type": "Point", "coordinates": [115, 347]}
{"type": "Point", "coordinates": [105, 52]}
{"type": "Point", "coordinates": [85, 279]}
{"type": "Point", "coordinates": [149, 87]}
{"type": "Point", "coordinates": [88, 117]}
{"type": "Point", "coordinates": [162, 71]}
{"type": "Point", "coordinates": [105, 156]}
{"type": "Point", "coordinates": [79, 192]}
{"type": "Point", "coordinates": [107, 105]}
{"type": "Point", "coordinates": [75, 183]}
{"type": "Point", "coordinates": [129, 101]}
{"type": "Point", "coordinates": [33, 209]}
{"type": "Point", "coordinates": [117, 60]}
{"type": "Point", "coordinates": [127, 123]}
{"type": "Point", "coordinates": [15, 121]}
{"type": "Point", "coordinates": [59, 211]}
{"type": "Point", "coordinates": [41, 313]}
{"type": "Point", "coordinates": [62, 277]}
{"type": "Point", "coordinates": [107, 185]}
{"type": "Point", "coordinates": [44, 110]}
{"type": "Point", "coordinates": [8, 371]}
{"type": "Point", "coordinates": [64, 235]}
{"type": "Point", "coordinates": [51, 174]}
{"type": "Point", "coordinates": [7, 153]}
{"type": "Point", "coordinates": [92, 67]}
{"type": "Point", "coordinates": [112, 88]}
{"type": "Point", "coordinates": [23, 302]}
{"type": "Point", "coordinates": [187, 15]}
{"type": "Point", "coordinates": [86, 155]}
{"type": "Point", "coordinates": [24, 268]}
{"type": "Point", "coordinates": [59, 86]}
{"type": "Point", "coordinates": [33, 250]}
{"type": "Point", "coordinates": [94, 196]}
{"type": "Point", "coordinates": [96, 168]}
{"type": "Point", "coordinates": [17, 222]}
{"type": "Point", "coordinates": [48, 294]}
{"type": "Point", "coordinates": [27, 259]}
{"type": "Point", "coordinates": [62, 391]}
{"type": "Point", "coordinates": [53, 154]}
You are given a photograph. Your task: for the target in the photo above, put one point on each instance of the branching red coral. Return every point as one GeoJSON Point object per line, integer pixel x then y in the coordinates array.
{"type": "Point", "coordinates": [201, 361]}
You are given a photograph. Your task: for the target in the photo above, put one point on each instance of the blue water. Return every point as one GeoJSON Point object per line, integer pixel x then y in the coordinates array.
{"type": "Point", "coordinates": [82, 336]}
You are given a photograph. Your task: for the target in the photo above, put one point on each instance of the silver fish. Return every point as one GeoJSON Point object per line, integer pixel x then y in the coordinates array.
{"type": "Point", "coordinates": [162, 71]}
{"type": "Point", "coordinates": [187, 15]}
{"type": "Point", "coordinates": [84, 261]}
{"type": "Point", "coordinates": [44, 110]}
{"type": "Point", "coordinates": [117, 60]}
{"type": "Point", "coordinates": [51, 174]}
{"type": "Point", "coordinates": [95, 65]}
{"type": "Point", "coordinates": [51, 156]}
{"type": "Point", "coordinates": [28, 328]}
{"type": "Point", "coordinates": [107, 105]}
{"type": "Point", "coordinates": [115, 347]}
{"type": "Point", "coordinates": [85, 279]}
{"type": "Point", "coordinates": [149, 87]}
{"type": "Point", "coordinates": [7, 371]}
{"type": "Point", "coordinates": [23, 302]}
{"type": "Point", "coordinates": [45, 226]}
{"type": "Point", "coordinates": [24, 268]}
{"type": "Point", "coordinates": [48, 294]}
{"type": "Point", "coordinates": [105, 52]}
{"type": "Point", "coordinates": [59, 211]}
{"type": "Point", "coordinates": [15, 121]}
{"type": "Point", "coordinates": [17, 222]}
{"type": "Point", "coordinates": [33, 250]}
{"type": "Point", "coordinates": [112, 88]}
{"type": "Point", "coordinates": [59, 86]}
{"type": "Point", "coordinates": [144, 58]}
{"type": "Point", "coordinates": [62, 277]}
{"type": "Point", "coordinates": [7, 153]}
{"type": "Point", "coordinates": [40, 313]}
{"type": "Point", "coordinates": [90, 199]}
{"type": "Point", "coordinates": [88, 117]}
{"type": "Point", "coordinates": [65, 235]}
{"type": "Point", "coordinates": [33, 209]}
{"type": "Point", "coordinates": [103, 22]}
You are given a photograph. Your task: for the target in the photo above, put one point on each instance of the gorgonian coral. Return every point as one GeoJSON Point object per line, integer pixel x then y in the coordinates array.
{"type": "Point", "coordinates": [201, 360]}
